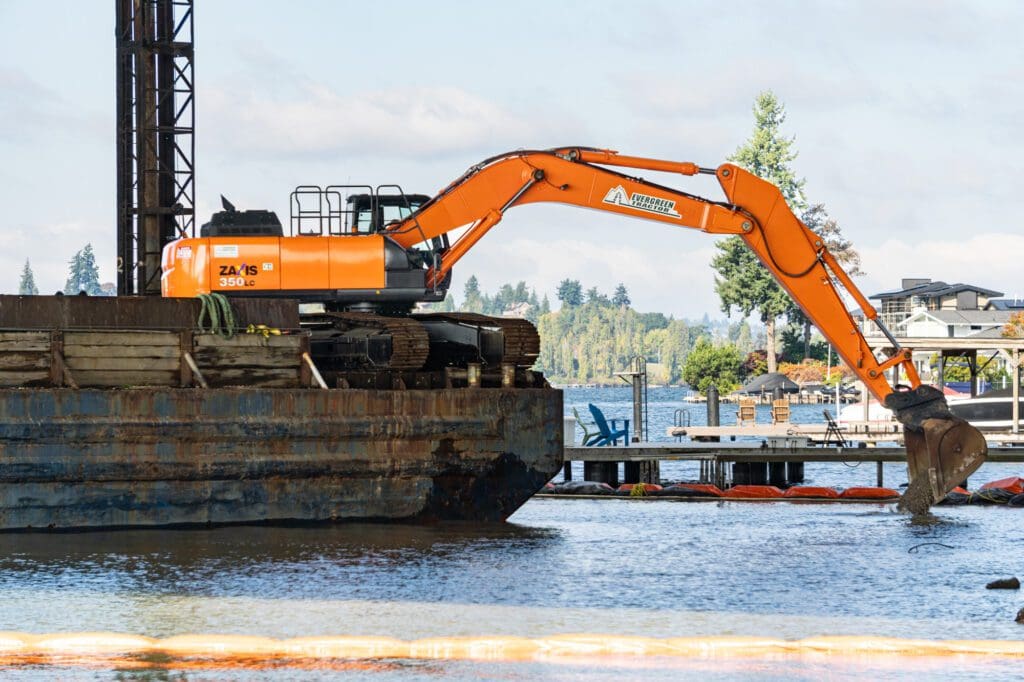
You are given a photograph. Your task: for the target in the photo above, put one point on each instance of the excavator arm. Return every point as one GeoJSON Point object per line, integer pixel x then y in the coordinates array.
{"type": "Point", "coordinates": [942, 450]}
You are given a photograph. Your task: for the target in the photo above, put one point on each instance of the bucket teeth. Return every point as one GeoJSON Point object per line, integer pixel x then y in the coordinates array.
{"type": "Point", "coordinates": [942, 449]}
{"type": "Point", "coordinates": [941, 454]}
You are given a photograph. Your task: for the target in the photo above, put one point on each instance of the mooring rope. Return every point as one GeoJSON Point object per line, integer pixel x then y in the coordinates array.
{"type": "Point", "coordinates": [913, 550]}
{"type": "Point", "coordinates": [217, 308]}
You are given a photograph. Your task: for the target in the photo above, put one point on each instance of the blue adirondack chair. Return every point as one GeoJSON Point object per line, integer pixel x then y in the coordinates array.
{"type": "Point", "coordinates": [609, 435]}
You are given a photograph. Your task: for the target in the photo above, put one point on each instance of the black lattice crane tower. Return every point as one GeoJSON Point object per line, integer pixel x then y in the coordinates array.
{"type": "Point", "coordinates": [155, 137]}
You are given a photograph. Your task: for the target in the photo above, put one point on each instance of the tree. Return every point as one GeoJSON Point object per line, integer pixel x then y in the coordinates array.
{"type": "Point", "coordinates": [83, 275]}
{"type": "Point", "coordinates": [1014, 327]}
{"type": "Point", "coordinates": [958, 369]}
{"type": "Point", "coordinates": [596, 297]}
{"type": "Point", "coordinates": [675, 348]}
{"type": "Point", "coordinates": [796, 345]}
{"type": "Point", "coordinates": [710, 364]}
{"type": "Point", "coordinates": [743, 338]}
{"type": "Point", "coordinates": [472, 301]}
{"type": "Point", "coordinates": [570, 293]}
{"type": "Point", "coordinates": [806, 372]}
{"type": "Point", "coordinates": [28, 281]}
{"type": "Point", "coordinates": [755, 363]}
{"type": "Point", "coordinates": [621, 296]}
{"type": "Point", "coordinates": [826, 227]}
{"type": "Point", "coordinates": [817, 219]}
{"type": "Point", "coordinates": [767, 154]}
{"type": "Point", "coordinates": [744, 282]}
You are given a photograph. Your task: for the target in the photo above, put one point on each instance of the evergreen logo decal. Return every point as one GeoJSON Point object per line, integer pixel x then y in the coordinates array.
{"type": "Point", "coordinates": [617, 196]}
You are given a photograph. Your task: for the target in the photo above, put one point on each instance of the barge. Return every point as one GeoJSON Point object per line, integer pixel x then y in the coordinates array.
{"type": "Point", "coordinates": [104, 422]}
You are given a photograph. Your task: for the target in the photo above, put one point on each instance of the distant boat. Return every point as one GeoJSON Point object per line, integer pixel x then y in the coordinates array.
{"type": "Point", "coordinates": [992, 411]}
{"type": "Point", "coordinates": [855, 413]}
{"type": "Point", "coordinates": [877, 413]}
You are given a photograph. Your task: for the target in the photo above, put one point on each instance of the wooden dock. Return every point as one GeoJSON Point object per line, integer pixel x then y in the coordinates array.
{"type": "Point", "coordinates": [867, 432]}
{"type": "Point", "coordinates": [642, 460]}
{"type": "Point", "coordinates": [857, 432]}
{"type": "Point", "coordinates": [740, 452]}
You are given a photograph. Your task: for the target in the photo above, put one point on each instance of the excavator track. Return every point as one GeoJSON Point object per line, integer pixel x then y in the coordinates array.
{"type": "Point", "coordinates": [409, 342]}
{"type": "Point", "coordinates": [522, 342]}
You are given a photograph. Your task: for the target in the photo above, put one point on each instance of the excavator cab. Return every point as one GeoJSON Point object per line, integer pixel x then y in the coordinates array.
{"type": "Point", "coordinates": [371, 212]}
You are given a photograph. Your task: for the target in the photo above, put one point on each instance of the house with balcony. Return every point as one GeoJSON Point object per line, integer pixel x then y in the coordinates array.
{"type": "Point", "coordinates": [926, 309]}
{"type": "Point", "coordinates": [931, 309]}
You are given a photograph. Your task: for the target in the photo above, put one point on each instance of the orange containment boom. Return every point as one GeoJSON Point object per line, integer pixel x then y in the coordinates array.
{"type": "Point", "coordinates": [108, 650]}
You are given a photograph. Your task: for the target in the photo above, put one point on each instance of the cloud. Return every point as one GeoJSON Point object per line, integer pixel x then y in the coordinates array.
{"type": "Point", "coordinates": [317, 121]}
{"type": "Point", "coordinates": [28, 107]}
{"type": "Point", "coordinates": [989, 259]}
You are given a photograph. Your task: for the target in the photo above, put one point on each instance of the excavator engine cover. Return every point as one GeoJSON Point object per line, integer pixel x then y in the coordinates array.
{"type": "Point", "coordinates": [942, 450]}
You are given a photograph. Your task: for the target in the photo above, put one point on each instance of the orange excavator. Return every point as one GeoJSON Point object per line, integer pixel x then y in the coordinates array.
{"type": "Point", "coordinates": [365, 256]}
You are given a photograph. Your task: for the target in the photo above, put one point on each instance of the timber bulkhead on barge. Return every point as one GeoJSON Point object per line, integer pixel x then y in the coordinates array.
{"type": "Point", "coordinates": [104, 423]}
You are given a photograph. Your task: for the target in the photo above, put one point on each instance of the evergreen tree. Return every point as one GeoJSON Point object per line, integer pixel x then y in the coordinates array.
{"type": "Point", "coordinates": [795, 346]}
{"type": "Point", "coordinates": [72, 285]}
{"type": "Point", "coordinates": [570, 293]}
{"type": "Point", "coordinates": [817, 219]}
{"type": "Point", "coordinates": [505, 297]}
{"type": "Point", "coordinates": [521, 294]}
{"type": "Point", "coordinates": [83, 274]}
{"type": "Point", "coordinates": [472, 300]}
{"type": "Point", "coordinates": [743, 282]}
{"type": "Point", "coordinates": [621, 296]}
{"type": "Point", "coordinates": [596, 297]}
{"type": "Point", "coordinates": [89, 279]}
{"type": "Point", "coordinates": [472, 288]}
{"type": "Point", "coordinates": [744, 339]}
{"type": "Point", "coordinates": [28, 281]}
{"type": "Point", "coordinates": [545, 305]}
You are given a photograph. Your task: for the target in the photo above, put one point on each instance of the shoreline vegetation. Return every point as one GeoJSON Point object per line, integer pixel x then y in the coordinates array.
{"type": "Point", "coordinates": [593, 336]}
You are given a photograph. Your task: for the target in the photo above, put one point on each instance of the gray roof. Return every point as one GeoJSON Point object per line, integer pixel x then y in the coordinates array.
{"type": "Point", "coordinates": [990, 333]}
{"type": "Point", "coordinates": [1006, 304]}
{"type": "Point", "coordinates": [936, 289]}
{"type": "Point", "coordinates": [766, 383]}
{"type": "Point", "coordinates": [966, 316]}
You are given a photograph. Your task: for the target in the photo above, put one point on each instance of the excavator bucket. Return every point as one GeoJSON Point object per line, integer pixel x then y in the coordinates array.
{"type": "Point", "coordinates": [942, 449]}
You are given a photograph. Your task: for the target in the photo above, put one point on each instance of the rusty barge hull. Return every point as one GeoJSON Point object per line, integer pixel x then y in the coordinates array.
{"type": "Point", "coordinates": [158, 456]}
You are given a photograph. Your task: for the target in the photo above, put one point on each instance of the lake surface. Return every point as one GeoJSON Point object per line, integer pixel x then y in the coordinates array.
{"type": "Point", "coordinates": [653, 568]}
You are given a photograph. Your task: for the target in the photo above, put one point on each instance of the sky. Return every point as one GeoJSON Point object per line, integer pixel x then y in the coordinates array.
{"type": "Point", "coordinates": [907, 117]}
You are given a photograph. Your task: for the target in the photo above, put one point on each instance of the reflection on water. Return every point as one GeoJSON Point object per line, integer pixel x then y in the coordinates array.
{"type": "Point", "coordinates": [651, 568]}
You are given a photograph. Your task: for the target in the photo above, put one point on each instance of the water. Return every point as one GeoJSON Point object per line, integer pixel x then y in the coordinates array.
{"type": "Point", "coordinates": [618, 566]}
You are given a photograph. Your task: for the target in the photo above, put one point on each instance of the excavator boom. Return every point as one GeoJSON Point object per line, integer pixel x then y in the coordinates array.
{"type": "Point", "coordinates": [942, 450]}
